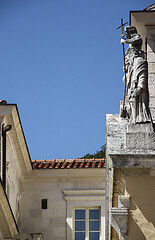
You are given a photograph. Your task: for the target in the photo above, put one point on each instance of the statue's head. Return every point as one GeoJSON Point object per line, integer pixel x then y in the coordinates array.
{"type": "Point", "coordinates": [129, 31]}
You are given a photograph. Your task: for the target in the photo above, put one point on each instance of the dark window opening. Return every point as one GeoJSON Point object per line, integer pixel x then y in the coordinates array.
{"type": "Point", "coordinates": [44, 203]}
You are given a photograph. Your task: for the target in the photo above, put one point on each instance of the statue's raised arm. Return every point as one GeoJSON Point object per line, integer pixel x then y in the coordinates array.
{"type": "Point", "coordinates": [132, 37]}
{"type": "Point", "coordinates": [137, 98]}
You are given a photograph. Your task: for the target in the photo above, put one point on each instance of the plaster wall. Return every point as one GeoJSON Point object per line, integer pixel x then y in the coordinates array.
{"type": "Point", "coordinates": [51, 222]}
{"type": "Point", "coordinates": [142, 207]}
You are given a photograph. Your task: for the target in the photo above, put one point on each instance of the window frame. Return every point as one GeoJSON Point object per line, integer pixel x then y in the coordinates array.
{"type": "Point", "coordinates": [84, 199]}
{"type": "Point", "coordinates": [87, 219]}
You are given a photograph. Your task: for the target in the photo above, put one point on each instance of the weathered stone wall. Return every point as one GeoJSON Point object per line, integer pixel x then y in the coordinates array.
{"type": "Point", "coordinates": [130, 167]}
{"type": "Point", "coordinates": [114, 234]}
{"type": "Point", "coordinates": [118, 186]}
{"type": "Point", "coordinates": [118, 189]}
{"type": "Point", "coordinates": [127, 140]}
{"type": "Point", "coordinates": [17, 167]}
{"type": "Point", "coordinates": [13, 181]}
{"type": "Point", "coordinates": [51, 222]}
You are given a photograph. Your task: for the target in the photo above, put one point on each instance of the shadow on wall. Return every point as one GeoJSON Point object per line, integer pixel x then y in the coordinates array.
{"type": "Point", "coordinates": [142, 207]}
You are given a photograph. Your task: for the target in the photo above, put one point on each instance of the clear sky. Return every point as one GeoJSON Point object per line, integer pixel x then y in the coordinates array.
{"type": "Point", "coordinates": [61, 62]}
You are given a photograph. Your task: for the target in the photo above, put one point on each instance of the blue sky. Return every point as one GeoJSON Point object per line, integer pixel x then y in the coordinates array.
{"type": "Point", "coordinates": [61, 62]}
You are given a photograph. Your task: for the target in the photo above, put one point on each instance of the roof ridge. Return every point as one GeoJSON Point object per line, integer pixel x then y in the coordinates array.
{"type": "Point", "coordinates": [69, 163]}
{"type": "Point", "coordinates": [74, 159]}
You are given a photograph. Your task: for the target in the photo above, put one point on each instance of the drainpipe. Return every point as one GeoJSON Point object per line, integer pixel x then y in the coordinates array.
{"type": "Point", "coordinates": [5, 129]}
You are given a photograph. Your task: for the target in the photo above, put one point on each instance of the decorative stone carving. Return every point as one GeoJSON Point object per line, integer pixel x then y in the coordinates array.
{"type": "Point", "coordinates": [119, 222]}
{"type": "Point", "coordinates": [136, 103]}
{"type": "Point", "coordinates": [123, 201]}
{"type": "Point", "coordinates": [120, 216]}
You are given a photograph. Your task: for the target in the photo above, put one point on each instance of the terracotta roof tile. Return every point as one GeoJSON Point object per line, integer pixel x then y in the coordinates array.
{"type": "Point", "coordinates": [71, 164]}
{"type": "Point", "coordinates": [68, 163]}
{"type": "Point", "coordinates": [82, 164]}
{"type": "Point", "coordinates": [64, 164]}
{"type": "Point", "coordinates": [88, 164]}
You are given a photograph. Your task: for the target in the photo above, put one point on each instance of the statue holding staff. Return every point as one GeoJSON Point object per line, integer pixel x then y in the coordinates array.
{"type": "Point", "coordinates": [136, 102]}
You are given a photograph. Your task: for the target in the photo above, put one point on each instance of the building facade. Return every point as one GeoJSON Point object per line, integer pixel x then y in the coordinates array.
{"type": "Point", "coordinates": [47, 199]}
{"type": "Point", "coordinates": [84, 199]}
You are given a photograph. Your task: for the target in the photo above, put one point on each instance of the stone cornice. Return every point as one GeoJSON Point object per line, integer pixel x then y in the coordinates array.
{"type": "Point", "coordinates": [67, 173]}
{"type": "Point", "coordinates": [84, 192]}
{"type": "Point", "coordinates": [143, 16]}
{"type": "Point", "coordinates": [84, 195]}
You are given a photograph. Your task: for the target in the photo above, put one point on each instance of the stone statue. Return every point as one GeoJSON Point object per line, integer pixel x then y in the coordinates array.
{"type": "Point", "coordinates": [136, 78]}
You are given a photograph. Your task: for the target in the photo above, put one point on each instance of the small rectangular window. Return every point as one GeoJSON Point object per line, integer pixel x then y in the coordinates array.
{"type": "Point", "coordinates": [44, 203]}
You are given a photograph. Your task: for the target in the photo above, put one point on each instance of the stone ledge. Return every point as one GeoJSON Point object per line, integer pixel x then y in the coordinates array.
{"type": "Point", "coordinates": [129, 139]}
{"type": "Point", "coordinates": [119, 211]}
{"type": "Point", "coordinates": [120, 221]}
{"type": "Point", "coordinates": [133, 161]}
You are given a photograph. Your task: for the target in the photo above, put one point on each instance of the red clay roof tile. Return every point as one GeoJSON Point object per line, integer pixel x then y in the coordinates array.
{"type": "Point", "coordinates": [68, 163]}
